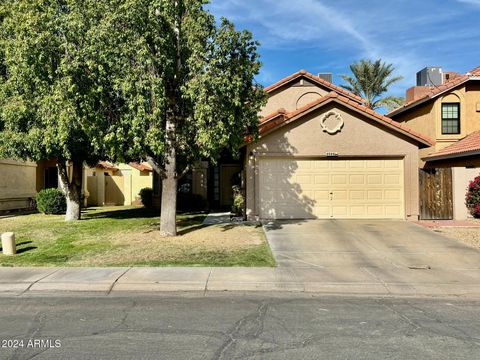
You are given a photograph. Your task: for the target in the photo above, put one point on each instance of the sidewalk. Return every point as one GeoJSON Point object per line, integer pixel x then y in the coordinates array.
{"type": "Point", "coordinates": [18, 281]}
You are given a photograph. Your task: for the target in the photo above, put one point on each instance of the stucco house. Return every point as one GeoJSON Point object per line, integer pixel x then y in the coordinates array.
{"type": "Point", "coordinates": [322, 154]}
{"type": "Point", "coordinates": [104, 184]}
{"type": "Point", "coordinates": [116, 184]}
{"type": "Point", "coordinates": [445, 106]}
{"type": "Point", "coordinates": [17, 184]}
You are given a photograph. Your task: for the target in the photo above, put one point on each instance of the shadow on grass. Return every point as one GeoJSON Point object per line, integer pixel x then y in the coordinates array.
{"type": "Point", "coordinates": [22, 250]}
{"type": "Point", "coordinates": [232, 226]}
{"type": "Point", "coordinates": [184, 225]}
{"type": "Point", "coordinates": [121, 214]}
{"type": "Point", "coordinates": [25, 249]}
{"type": "Point", "coordinates": [191, 229]}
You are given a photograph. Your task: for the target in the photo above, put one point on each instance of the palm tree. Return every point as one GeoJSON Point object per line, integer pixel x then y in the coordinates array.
{"type": "Point", "coordinates": [372, 79]}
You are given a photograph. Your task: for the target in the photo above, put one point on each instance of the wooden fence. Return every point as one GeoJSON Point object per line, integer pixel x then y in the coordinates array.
{"type": "Point", "coordinates": [436, 195]}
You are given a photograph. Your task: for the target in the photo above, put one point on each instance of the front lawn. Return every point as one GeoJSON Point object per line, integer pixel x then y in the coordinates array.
{"type": "Point", "coordinates": [129, 236]}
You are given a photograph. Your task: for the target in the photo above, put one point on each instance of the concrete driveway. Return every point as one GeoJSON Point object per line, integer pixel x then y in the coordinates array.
{"type": "Point", "coordinates": [397, 255]}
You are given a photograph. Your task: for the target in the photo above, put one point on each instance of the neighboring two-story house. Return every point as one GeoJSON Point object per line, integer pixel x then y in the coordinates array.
{"type": "Point", "coordinates": [446, 108]}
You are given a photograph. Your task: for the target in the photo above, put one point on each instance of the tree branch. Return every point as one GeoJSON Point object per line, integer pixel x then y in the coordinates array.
{"type": "Point", "coordinates": [153, 163]}
{"type": "Point", "coordinates": [184, 172]}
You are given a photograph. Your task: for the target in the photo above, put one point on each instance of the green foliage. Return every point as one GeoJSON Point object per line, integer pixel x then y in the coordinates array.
{"type": "Point", "coordinates": [176, 63]}
{"type": "Point", "coordinates": [51, 201]}
{"type": "Point", "coordinates": [49, 241]}
{"type": "Point", "coordinates": [238, 201]}
{"type": "Point", "coordinates": [56, 95]}
{"type": "Point", "coordinates": [472, 197]}
{"type": "Point", "coordinates": [370, 81]}
{"type": "Point", "coordinates": [146, 195]}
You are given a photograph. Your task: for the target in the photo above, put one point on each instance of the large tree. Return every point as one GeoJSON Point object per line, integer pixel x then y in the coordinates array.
{"type": "Point", "coordinates": [371, 80]}
{"type": "Point", "coordinates": [189, 90]}
{"type": "Point", "coordinates": [56, 96]}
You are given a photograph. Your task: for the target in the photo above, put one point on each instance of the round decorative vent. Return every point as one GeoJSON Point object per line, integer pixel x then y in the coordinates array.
{"type": "Point", "coordinates": [332, 122]}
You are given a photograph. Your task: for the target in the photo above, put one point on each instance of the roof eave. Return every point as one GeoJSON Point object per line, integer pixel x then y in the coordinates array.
{"type": "Point", "coordinates": [403, 109]}
{"type": "Point", "coordinates": [312, 77]}
{"type": "Point", "coordinates": [421, 101]}
{"type": "Point", "coordinates": [451, 156]}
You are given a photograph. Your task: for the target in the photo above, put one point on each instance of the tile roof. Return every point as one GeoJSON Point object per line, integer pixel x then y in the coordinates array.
{"type": "Point", "coordinates": [435, 91]}
{"type": "Point", "coordinates": [281, 117]}
{"type": "Point", "coordinates": [464, 147]}
{"type": "Point", "coordinates": [106, 165]}
{"type": "Point", "coordinates": [316, 79]}
{"type": "Point", "coordinates": [141, 166]}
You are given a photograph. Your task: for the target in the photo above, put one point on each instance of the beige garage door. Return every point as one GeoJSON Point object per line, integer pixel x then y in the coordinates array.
{"type": "Point", "coordinates": [324, 189]}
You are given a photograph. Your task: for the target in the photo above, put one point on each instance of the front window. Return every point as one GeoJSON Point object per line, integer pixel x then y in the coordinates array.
{"type": "Point", "coordinates": [450, 118]}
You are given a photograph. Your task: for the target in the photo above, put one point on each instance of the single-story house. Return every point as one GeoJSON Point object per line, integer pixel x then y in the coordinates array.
{"type": "Point", "coordinates": [17, 184]}
{"type": "Point", "coordinates": [104, 184]}
{"type": "Point", "coordinates": [116, 184]}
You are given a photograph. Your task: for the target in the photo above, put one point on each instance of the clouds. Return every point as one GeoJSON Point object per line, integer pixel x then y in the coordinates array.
{"type": "Point", "coordinates": [473, 2]}
{"type": "Point", "coordinates": [324, 35]}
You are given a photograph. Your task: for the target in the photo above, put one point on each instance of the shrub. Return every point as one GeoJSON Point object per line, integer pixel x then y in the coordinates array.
{"type": "Point", "coordinates": [51, 201]}
{"type": "Point", "coordinates": [472, 198]}
{"type": "Point", "coordinates": [146, 195]}
{"type": "Point", "coordinates": [238, 201]}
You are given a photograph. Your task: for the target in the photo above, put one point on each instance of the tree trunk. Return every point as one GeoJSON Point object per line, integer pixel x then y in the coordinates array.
{"type": "Point", "coordinates": [72, 189]}
{"type": "Point", "coordinates": [168, 215]}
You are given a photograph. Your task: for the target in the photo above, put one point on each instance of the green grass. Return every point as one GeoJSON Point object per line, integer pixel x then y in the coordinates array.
{"type": "Point", "coordinates": [129, 236]}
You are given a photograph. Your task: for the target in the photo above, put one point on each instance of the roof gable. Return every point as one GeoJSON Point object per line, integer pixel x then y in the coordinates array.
{"type": "Point", "coordinates": [281, 117]}
{"type": "Point", "coordinates": [302, 74]}
{"type": "Point", "coordinates": [438, 90]}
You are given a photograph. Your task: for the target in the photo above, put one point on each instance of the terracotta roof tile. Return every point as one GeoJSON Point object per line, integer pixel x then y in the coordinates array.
{"type": "Point", "coordinates": [468, 144]}
{"type": "Point", "coordinates": [278, 118]}
{"type": "Point", "coordinates": [435, 91]}
{"type": "Point", "coordinates": [106, 165]}
{"type": "Point", "coordinates": [316, 79]}
{"type": "Point", "coordinates": [141, 166]}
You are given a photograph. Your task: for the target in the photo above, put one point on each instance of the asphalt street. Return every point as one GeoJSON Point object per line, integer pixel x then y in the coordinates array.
{"type": "Point", "coordinates": [237, 326]}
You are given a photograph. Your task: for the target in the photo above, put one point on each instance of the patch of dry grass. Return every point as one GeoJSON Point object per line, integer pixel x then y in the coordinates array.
{"type": "Point", "coordinates": [126, 236]}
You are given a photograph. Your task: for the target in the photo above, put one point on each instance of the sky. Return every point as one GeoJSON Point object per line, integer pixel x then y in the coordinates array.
{"type": "Point", "coordinates": [327, 36]}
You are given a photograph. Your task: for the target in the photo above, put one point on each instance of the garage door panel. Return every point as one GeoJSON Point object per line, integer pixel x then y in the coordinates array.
{"type": "Point", "coordinates": [321, 195]}
{"type": "Point", "coordinates": [339, 164]}
{"type": "Point", "coordinates": [375, 210]}
{"type": "Point", "coordinates": [375, 164]}
{"type": "Point", "coordinates": [375, 179]}
{"type": "Point", "coordinates": [393, 195]}
{"type": "Point", "coordinates": [339, 211]}
{"type": "Point", "coordinates": [356, 179]}
{"type": "Point", "coordinates": [322, 179]}
{"type": "Point", "coordinates": [393, 211]}
{"type": "Point", "coordinates": [358, 195]}
{"type": "Point", "coordinates": [339, 179]}
{"type": "Point", "coordinates": [374, 194]}
{"type": "Point", "coordinates": [356, 164]}
{"type": "Point", "coordinates": [394, 179]}
{"type": "Point", "coordinates": [357, 211]}
{"type": "Point", "coordinates": [360, 188]}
